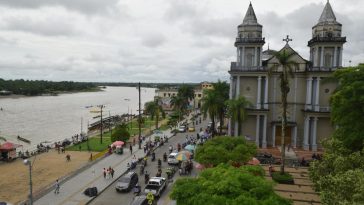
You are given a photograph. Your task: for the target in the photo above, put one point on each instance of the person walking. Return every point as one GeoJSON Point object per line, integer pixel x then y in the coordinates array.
{"type": "Point", "coordinates": [104, 172]}
{"type": "Point", "coordinates": [131, 149]}
{"type": "Point", "coordinates": [57, 186]}
{"type": "Point", "coordinates": [112, 172]}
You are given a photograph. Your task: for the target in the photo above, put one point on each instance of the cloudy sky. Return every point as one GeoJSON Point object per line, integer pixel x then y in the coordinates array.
{"type": "Point", "coordinates": [153, 40]}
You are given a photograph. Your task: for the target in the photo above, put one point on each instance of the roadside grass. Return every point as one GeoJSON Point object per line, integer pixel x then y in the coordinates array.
{"type": "Point", "coordinates": [94, 144]}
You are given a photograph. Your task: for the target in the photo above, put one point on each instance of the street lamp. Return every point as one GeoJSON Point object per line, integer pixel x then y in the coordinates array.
{"type": "Point", "coordinates": [29, 163]}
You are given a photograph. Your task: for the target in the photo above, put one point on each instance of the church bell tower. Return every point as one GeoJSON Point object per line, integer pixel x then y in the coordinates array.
{"type": "Point", "coordinates": [326, 45]}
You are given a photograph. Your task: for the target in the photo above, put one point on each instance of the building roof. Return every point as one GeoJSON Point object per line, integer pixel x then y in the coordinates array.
{"type": "Point", "coordinates": [327, 14]}
{"type": "Point", "coordinates": [250, 17]}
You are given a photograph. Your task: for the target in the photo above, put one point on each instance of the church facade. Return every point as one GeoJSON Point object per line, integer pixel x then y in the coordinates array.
{"type": "Point", "coordinates": [253, 77]}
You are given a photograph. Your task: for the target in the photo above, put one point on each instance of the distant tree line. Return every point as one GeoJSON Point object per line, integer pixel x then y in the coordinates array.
{"type": "Point", "coordinates": [39, 87]}
{"type": "Point", "coordinates": [147, 85]}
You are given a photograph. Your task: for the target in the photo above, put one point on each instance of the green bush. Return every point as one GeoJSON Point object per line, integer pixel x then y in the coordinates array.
{"type": "Point", "coordinates": [285, 178]}
{"type": "Point", "coordinates": [120, 133]}
{"type": "Point", "coordinates": [255, 170]}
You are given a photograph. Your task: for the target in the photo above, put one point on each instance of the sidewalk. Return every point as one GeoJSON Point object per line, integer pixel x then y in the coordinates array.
{"type": "Point", "coordinates": [71, 191]}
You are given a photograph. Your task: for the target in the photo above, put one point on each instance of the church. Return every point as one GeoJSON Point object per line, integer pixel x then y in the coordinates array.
{"type": "Point", "coordinates": [253, 76]}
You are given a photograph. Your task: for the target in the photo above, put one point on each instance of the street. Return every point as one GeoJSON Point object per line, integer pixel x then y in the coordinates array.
{"type": "Point", "coordinates": [110, 196]}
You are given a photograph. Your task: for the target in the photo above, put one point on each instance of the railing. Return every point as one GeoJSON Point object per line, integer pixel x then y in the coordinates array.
{"type": "Point", "coordinates": [249, 40]}
{"type": "Point", "coordinates": [317, 108]}
{"type": "Point", "coordinates": [235, 67]}
{"type": "Point", "coordinates": [326, 39]}
{"type": "Point", "coordinates": [323, 69]}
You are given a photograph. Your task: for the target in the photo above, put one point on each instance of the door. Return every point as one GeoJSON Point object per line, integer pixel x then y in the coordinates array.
{"type": "Point", "coordinates": [288, 135]}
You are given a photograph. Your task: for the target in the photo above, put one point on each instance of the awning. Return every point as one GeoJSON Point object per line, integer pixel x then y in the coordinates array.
{"type": "Point", "coordinates": [9, 146]}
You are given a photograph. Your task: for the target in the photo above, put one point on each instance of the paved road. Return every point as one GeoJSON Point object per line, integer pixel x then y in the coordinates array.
{"type": "Point", "coordinates": [111, 197]}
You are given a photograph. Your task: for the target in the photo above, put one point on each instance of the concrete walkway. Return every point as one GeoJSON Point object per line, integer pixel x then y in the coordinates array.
{"type": "Point", "coordinates": [71, 190]}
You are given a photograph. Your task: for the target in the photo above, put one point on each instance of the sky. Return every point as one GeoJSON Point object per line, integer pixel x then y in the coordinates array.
{"type": "Point", "coordinates": [153, 40]}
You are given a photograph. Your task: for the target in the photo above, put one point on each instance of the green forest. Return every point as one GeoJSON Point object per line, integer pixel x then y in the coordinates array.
{"type": "Point", "coordinates": [40, 87]}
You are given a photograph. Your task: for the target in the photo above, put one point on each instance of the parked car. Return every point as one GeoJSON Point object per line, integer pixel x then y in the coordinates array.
{"type": "Point", "coordinates": [182, 128]}
{"type": "Point", "coordinates": [127, 182]}
{"type": "Point", "coordinates": [172, 158]}
{"type": "Point", "coordinates": [140, 200]}
{"type": "Point", "coordinates": [155, 186]}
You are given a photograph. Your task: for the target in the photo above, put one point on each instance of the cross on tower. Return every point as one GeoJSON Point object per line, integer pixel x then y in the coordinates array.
{"type": "Point", "coordinates": [287, 39]}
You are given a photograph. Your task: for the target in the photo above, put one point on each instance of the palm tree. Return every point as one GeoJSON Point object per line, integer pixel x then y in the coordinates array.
{"type": "Point", "coordinates": [221, 90]}
{"type": "Point", "coordinates": [287, 65]}
{"type": "Point", "coordinates": [178, 105]}
{"type": "Point", "coordinates": [236, 110]}
{"type": "Point", "coordinates": [209, 106]}
{"type": "Point", "coordinates": [187, 93]}
{"type": "Point", "coordinates": [154, 110]}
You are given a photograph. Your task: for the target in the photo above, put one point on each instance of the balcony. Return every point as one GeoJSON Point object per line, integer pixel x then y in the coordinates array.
{"type": "Point", "coordinates": [239, 41]}
{"type": "Point", "coordinates": [319, 39]}
{"type": "Point", "coordinates": [317, 108]}
{"type": "Point", "coordinates": [322, 69]}
{"type": "Point", "coordinates": [239, 68]}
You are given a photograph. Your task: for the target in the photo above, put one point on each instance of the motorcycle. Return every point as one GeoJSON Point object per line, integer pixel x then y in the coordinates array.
{"type": "Point", "coordinates": [165, 157]}
{"type": "Point", "coordinates": [141, 169]}
{"type": "Point", "coordinates": [146, 178]}
{"type": "Point", "coordinates": [136, 190]}
{"type": "Point", "coordinates": [153, 157]}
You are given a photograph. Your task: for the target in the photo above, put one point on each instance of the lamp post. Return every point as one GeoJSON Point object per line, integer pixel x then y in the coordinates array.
{"type": "Point", "coordinates": [29, 163]}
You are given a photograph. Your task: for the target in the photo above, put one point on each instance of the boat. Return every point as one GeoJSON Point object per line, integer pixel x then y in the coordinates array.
{"type": "Point", "coordinates": [23, 139]}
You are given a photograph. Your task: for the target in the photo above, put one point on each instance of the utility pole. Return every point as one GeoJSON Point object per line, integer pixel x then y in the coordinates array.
{"type": "Point", "coordinates": [140, 119]}
{"type": "Point", "coordinates": [110, 124]}
{"type": "Point", "coordinates": [101, 107]}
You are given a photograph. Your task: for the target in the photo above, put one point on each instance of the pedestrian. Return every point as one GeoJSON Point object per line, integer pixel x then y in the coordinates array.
{"type": "Point", "coordinates": [108, 173]}
{"type": "Point", "coordinates": [145, 149]}
{"type": "Point", "coordinates": [131, 149]}
{"type": "Point", "coordinates": [134, 141]}
{"type": "Point", "coordinates": [104, 172]}
{"type": "Point", "coordinates": [57, 186]}
{"type": "Point", "coordinates": [68, 157]}
{"type": "Point", "coordinates": [112, 172]}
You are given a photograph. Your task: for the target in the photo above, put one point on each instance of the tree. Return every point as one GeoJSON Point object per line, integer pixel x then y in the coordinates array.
{"type": "Point", "coordinates": [209, 106]}
{"type": "Point", "coordinates": [235, 150]}
{"type": "Point", "coordinates": [348, 107]}
{"type": "Point", "coordinates": [221, 90]}
{"type": "Point", "coordinates": [178, 105]}
{"type": "Point", "coordinates": [186, 93]}
{"type": "Point", "coordinates": [236, 110]}
{"type": "Point", "coordinates": [153, 109]}
{"type": "Point", "coordinates": [226, 185]}
{"type": "Point", "coordinates": [339, 176]}
{"type": "Point", "coordinates": [121, 133]}
{"type": "Point", "coordinates": [287, 65]}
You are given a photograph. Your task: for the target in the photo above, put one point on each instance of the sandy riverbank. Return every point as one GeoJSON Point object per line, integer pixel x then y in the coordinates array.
{"type": "Point", "coordinates": [14, 178]}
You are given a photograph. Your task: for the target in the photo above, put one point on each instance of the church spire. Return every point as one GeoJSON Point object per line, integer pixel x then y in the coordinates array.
{"type": "Point", "coordinates": [327, 14]}
{"type": "Point", "coordinates": [250, 17]}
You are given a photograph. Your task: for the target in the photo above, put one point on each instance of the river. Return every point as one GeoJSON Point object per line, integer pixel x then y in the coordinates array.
{"type": "Point", "coordinates": [54, 118]}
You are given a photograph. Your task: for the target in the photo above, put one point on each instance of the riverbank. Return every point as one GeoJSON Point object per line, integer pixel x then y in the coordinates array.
{"type": "Point", "coordinates": [47, 167]}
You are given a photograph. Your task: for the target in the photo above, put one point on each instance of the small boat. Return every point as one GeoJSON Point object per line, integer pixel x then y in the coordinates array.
{"type": "Point", "coordinates": [23, 139]}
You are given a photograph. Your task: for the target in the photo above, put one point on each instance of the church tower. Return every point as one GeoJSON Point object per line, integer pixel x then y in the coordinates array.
{"type": "Point", "coordinates": [249, 42]}
{"type": "Point", "coordinates": [326, 45]}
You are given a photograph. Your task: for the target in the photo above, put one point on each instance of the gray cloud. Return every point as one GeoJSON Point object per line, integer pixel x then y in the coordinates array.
{"type": "Point", "coordinates": [85, 6]}
{"type": "Point", "coordinates": [153, 40]}
{"type": "Point", "coordinates": [159, 41]}
{"type": "Point", "coordinates": [47, 27]}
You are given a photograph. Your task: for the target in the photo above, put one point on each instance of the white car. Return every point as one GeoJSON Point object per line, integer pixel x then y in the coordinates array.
{"type": "Point", "coordinates": [172, 158]}
{"type": "Point", "coordinates": [182, 128]}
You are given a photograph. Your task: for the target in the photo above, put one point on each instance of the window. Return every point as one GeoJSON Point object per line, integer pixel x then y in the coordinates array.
{"type": "Point", "coordinates": [199, 95]}
{"type": "Point", "coordinates": [328, 60]}
{"type": "Point", "coordinates": [164, 94]}
{"type": "Point", "coordinates": [249, 59]}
